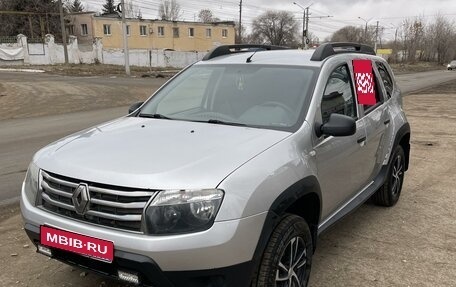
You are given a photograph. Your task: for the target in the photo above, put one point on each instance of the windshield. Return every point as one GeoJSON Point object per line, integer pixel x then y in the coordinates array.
{"type": "Point", "coordinates": [258, 96]}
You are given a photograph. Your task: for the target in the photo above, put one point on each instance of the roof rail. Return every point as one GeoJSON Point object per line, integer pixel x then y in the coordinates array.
{"type": "Point", "coordinates": [240, 48]}
{"type": "Point", "coordinates": [329, 49]}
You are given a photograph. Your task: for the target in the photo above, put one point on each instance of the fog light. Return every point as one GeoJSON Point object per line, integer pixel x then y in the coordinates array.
{"type": "Point", "coordinates": [128, 277]}
{"type": "Point", "coordinates": [44, 250]}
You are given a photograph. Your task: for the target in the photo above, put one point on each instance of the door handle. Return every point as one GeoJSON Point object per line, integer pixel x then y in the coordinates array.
{"type": "Point", "coordinates": [360, 140]}
{"type": "Point", "coordinates": [387, 122]}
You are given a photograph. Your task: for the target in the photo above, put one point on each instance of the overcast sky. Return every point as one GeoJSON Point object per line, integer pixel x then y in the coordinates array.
{"type": "Point", "coordinates": [389, 13]}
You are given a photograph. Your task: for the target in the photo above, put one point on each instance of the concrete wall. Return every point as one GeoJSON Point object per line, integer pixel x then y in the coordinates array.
{"type": "Point", "coordinates": [13, 53]}
{"type": "Point", "coordinates": [49, 53]}
{"type": "Point", "coordinates": [152, 58]}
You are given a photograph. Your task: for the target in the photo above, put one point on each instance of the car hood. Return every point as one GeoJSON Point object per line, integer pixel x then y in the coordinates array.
{"type": "Point", "coordinates": [156, 153]}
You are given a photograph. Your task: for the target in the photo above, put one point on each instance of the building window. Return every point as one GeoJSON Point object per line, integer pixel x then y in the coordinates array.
{"type": "Point", "coordinates": [161, 31]}
{"type": "Point", "coordinates": [143, 30]}
{"type": "Point", "coordinates": [84, 30]}
{"type": "Point", "coordinates": [208, 33]}
{"type": "Point", "coordinates": [107, 29]}
{"type": "Point", "coordinates": [191, 32]}
{"type": "Point", "coordinates": [128, 30]}
{"type": "Point", "coordinates": [70, 29]}
{"type": "Point", "coordinates": [176, 32]}
{"type": "Point", "coordinates": [225, 33]}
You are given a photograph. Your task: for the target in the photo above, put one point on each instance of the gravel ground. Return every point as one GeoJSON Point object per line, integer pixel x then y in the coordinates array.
{"type": "Point", "coordinates": [412, 244]}
{"type": "Point", "coordinates": [24, 95]}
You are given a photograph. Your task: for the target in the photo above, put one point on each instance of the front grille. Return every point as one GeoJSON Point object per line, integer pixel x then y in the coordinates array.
{"type": "Point", "coordinates": [111, 206]}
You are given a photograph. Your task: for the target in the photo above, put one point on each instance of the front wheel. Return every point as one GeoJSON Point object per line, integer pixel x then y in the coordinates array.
{"type": "Point", "coordinates": [389, 193]}
{"type": "Point", "coordinates": [287, 259]}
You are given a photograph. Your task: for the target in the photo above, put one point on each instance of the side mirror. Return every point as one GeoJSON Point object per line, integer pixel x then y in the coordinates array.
{"type": "Point", "coordinates": [337, 126]}
{"type": "Point", "coordinates": [134, 107]}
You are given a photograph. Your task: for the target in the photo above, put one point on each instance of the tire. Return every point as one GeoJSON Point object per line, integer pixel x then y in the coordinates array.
{"type": "Point", "coordinates": [389, 193]}
{"type": "Point", "coordinates": [291, 234]}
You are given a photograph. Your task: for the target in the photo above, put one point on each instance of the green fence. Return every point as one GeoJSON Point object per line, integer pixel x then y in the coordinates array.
{"type": "Point", "coordinates": [8, 39]}
{"type": "Point", "coordinates": [35, 40]}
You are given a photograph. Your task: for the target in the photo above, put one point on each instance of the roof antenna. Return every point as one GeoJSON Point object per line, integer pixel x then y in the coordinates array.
{"type": "Point", "coordinates": [249, 59]}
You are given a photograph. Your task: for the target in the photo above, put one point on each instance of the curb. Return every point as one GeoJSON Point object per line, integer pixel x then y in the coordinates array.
{"type": "Point", "coordinates": [22, 70]}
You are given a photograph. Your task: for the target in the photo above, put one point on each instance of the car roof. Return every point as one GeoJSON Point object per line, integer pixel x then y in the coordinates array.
{"type": "Point", "coordinates": [275, 55]}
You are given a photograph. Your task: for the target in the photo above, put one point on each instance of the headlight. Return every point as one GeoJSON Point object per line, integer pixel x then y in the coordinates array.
{"type": "Point", "coordinates": [31, 182]}
{"type": "Point", "coordinates": [183, 211]}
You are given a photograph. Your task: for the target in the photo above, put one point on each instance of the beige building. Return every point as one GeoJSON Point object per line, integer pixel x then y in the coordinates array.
{"type": "Point", "coordinates": [150, 34]}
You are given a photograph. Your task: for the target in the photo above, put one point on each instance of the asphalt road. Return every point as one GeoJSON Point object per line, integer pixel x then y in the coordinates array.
{"type": "Point", "coordinates": [21, 138]}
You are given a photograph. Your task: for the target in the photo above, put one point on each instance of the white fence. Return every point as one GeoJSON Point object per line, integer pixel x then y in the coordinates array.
{"type": "Point", "coordinates": [49, 52]}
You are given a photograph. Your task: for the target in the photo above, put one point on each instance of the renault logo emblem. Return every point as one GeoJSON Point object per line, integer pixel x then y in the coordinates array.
{"type": "Point", "coordinates": [81, 198]}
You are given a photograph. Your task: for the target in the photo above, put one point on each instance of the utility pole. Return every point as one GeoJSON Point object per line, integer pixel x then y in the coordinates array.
{"type": "Point", "coordinates": [62, 26]}
{"type": "Point", "coordinates": [376, 38]}
{"type": "Point", "coordinates": [306, 33]}
{"type": "Point", "coordinates": [305, 24]}
{"type": "Point", "coordinates": [240, 23]}
{"type": "Point", "coordinates": [125, 39]}
{"type": "Point", "coordinates": [303, 28]}
{"type": "Point", "coordinates": [365, 30]}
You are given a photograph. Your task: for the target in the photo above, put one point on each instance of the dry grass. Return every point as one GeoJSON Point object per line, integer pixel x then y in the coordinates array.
{"type": "Point", "coordinates": [416, 67]}
{"type": "Point", "coordinates": [445, 88]}
{"type": "Point", "coordinates": [98, 70]}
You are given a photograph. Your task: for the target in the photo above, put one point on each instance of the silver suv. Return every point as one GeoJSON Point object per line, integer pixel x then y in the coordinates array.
{"type": "Point", "coordinates": [228, 173]}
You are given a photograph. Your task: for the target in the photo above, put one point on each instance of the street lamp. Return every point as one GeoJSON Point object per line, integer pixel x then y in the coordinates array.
{"type": "Point", "coordinates": [365, 30]}
{"type": "Point", "coordinates": [305, 24]}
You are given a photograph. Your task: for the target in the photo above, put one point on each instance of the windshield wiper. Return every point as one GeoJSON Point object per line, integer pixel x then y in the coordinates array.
{"type": "Point", "coordinates": [155, 116]}
{"type": "Point", "coordinates": [219, 122]}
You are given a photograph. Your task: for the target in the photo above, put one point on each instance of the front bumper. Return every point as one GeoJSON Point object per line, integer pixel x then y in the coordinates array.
{"type": "Point", "coordinates": [227, 245]}
{"type": "Point", "coordinates": [149, 272]}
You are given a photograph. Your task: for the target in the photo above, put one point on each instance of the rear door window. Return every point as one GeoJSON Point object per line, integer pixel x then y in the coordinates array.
{"type": "Point", "coordinates": [386, 78]}
{"type": "Point", "coordinates": [368, 91]}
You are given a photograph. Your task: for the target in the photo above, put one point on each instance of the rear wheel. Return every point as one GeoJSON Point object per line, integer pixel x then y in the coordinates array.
{"type": "Point", "coordinates": [389, 193]}
{"type": "Point", "coordinates": [287, 259]}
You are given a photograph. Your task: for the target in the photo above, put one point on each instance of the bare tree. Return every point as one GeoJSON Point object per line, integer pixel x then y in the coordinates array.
{"type": "Point", "coordinates": [31, 25]}
{"type": "Point", "coordinates": [170, 10]}
{"type": "Point", "coordinates": [131, 10]}
{"type": "Point", "coordinates": [354, 34]}
{"type": "Point", "coordinates": [348, 34]}
{"type": "Point", "coordinates": [442, 35]}
{"type": "Point", "coordinates": [313, 39]}
{"type": "Point", "coordinates": [245, 37]}
{"type": "Point", "coordinates": [412, 37]}
{"type": "Point", "coordinates": [206, 16]}
{"type": "Point", "coordinates": [275, 28]}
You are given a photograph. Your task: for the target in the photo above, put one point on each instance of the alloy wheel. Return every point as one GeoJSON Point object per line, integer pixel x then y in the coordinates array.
{"type": "Point", "coordinates": [291, 270]}
{"type": "Point", "coordinates": [396, 175]}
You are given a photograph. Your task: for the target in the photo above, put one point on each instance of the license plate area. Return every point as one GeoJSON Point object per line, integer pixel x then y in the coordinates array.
{"type": "Point", "coordinates": [84, 245]}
